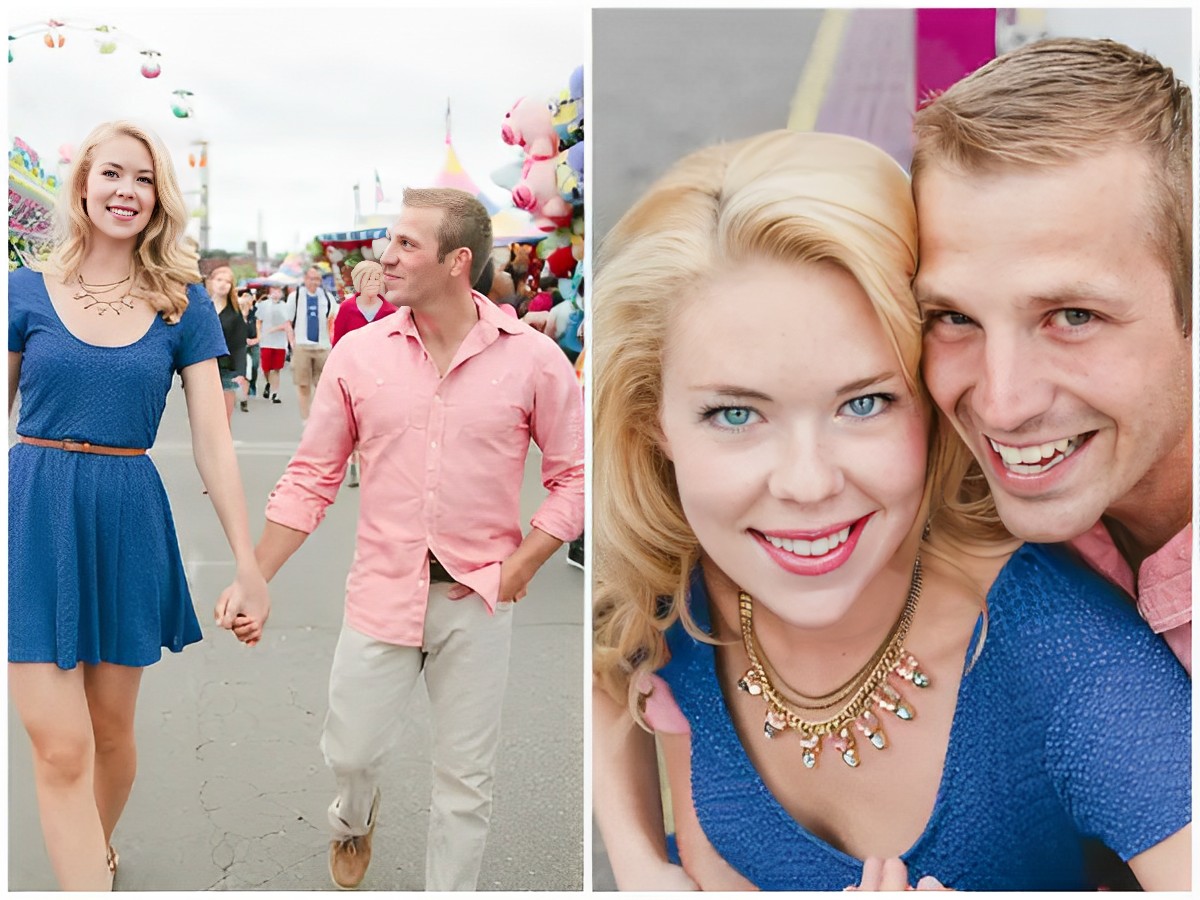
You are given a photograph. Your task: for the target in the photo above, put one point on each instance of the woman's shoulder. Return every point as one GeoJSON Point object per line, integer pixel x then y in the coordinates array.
{"type": "Point", "coordinates": [25, 285]}
{"type": "Point", "coordinates": [199, 310]}
{"type": "Point", "coordinates": [1046, 597]}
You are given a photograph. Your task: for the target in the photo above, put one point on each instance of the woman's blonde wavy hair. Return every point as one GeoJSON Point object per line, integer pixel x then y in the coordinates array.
{"type": "Point", "coordinates": [163, 265]}
{"type": "Point", "coordinates": [783, 195]}
{"type": "Point", "coordinates": [232, 295]}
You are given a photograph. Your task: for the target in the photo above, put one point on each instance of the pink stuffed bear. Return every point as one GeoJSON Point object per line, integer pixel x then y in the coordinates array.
{"type": "Point", "coordinates": [537, 193]}
{"type": "Point", "coordinates": [530, 126]}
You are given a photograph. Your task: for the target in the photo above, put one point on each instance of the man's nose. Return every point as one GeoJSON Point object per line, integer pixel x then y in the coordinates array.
{"type": "Point", "coordinates": [1011, 389]}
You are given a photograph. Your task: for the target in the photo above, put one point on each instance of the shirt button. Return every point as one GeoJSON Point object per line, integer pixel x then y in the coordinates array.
{"type": "Point", "coordinates": [379, 381]}
{"type": "Point", "coordinates": [433, 444]}
{"type": "Point", "coordinates": [420, 582]}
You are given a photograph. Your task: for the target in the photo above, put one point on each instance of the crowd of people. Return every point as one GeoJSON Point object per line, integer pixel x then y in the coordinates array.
{"type": "Point", "coordinates": [97, 585]}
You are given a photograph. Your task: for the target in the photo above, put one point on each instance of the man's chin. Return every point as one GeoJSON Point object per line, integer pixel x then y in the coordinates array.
{"type": "Point", "coordinates": [1046, 522]}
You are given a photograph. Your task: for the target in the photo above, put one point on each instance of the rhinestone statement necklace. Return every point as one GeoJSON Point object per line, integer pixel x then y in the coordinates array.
{"type": "Point", "coordinates": [854, 704]}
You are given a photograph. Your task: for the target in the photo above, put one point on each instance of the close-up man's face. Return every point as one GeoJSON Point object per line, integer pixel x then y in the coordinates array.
{"type": "Point", "coordinates": [1052, 341]}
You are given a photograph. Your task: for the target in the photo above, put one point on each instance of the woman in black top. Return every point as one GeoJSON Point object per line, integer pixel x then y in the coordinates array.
{"type": "Point", "coordinates": [220, 285]}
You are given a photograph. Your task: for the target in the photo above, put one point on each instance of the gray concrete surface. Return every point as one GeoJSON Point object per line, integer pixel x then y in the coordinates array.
{"type": "Point", "coordinates": [668, 81]}
{"type": "Point", "coordinates": [232, 790]}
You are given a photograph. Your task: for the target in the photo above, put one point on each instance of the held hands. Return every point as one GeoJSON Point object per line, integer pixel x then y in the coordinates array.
{"type": "Point", "coordinates": [892, 875]}
{"type": "Point", "coordinates": [244, 607]}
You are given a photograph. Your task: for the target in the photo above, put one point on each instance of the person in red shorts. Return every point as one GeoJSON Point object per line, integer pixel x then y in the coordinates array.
{"type": "Point", "coordinates": [272, 335]}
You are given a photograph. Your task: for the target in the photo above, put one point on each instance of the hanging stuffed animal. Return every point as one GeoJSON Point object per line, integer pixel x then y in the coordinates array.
{"type": "Point", "coordinates": [528, 125]}
{"type": "Point", "coordinates": [537, 194]}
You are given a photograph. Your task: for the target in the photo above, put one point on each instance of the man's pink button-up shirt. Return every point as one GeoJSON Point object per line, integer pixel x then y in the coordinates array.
{"type": "Point", "coordinates": [1164, 584]}
{"type": "Point", "coordinates": [442, 459]}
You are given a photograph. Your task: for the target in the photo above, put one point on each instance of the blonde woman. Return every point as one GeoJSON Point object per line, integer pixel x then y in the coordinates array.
{"type": "Point", "coordinates": [857, 679]}
{"type": "Point", "coordinates": [221, 286]}
{"type": "Point", "coordinates": [96, 584]}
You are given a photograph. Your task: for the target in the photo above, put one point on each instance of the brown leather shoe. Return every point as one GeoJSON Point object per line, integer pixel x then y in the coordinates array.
{"type": "Point", "coordinates": [349, 857]}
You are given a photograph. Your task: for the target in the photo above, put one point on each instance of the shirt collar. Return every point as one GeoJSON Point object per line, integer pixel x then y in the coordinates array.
{"type": "Point", "coordinates": [1164, 588]}
{"type": "Point", "coordinates": [489, 314]}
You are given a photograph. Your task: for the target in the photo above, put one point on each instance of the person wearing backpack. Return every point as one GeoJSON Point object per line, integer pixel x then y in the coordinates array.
{"type": "Point", "coordinates": [310, 311]}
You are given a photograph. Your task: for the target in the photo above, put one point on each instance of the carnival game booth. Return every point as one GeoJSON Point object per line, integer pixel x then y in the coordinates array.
{"type": "Point", "coordinates": [345, 249]}
{"type": "Point", "coordinates": [31, 196]}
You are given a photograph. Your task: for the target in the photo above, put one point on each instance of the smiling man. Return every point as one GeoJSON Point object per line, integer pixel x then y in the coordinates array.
{"type": "Point", "coordinates": [440, 400]}
{"type": "Point", "coordinates": [1054, 197]}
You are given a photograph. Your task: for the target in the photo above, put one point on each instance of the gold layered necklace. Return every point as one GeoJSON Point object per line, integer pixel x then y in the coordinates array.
{"type": "Point", "coordinates": [834, 717]}
{"type": "Point", "coordinates": [93, 294]}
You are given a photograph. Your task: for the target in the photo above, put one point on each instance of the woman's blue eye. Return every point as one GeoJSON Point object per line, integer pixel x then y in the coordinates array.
{"type": "Point", "coordinates": [866, 406]}
{"type": "Point", "coordinates": [730, 418]}
{"type": "Point", "coordinates": [734, 416]}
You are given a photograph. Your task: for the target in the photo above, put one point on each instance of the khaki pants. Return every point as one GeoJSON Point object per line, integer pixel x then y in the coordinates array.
{"type": "Point", "coordinates": [465, 660]}
{"type": "Point", "coordinates": [308, 361]}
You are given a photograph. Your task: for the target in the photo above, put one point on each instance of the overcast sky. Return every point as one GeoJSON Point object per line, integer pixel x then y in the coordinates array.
{"type": "Point", "coordinates": [297, 105]}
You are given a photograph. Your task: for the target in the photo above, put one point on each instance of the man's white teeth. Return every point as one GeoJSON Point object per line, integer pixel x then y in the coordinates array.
{"type": "Point", "coordinates": [1036, 458]}
{"type": "Point", "coordinates": [810, 548]}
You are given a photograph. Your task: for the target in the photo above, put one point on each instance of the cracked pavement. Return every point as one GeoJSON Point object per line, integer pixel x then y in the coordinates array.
{"type": "Point", "coordinates": [232, 790]}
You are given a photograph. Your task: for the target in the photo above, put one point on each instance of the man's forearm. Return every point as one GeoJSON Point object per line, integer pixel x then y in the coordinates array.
{"type": "Point", "coordinates": [535, 549]}
{"type": "Point", "coordinates": [276, 546]}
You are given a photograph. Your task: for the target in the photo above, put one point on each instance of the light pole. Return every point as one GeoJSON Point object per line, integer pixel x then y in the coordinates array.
{"type": "Point", "coordinates": [203, 164]}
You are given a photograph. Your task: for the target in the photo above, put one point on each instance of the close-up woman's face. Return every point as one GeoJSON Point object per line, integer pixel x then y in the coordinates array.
{"type": "Point", "coordinates": [799, 450]}
{"type": "Point", "coordinates": [119, 192]}
{"type": "Point", "coordinates": [219, 282]}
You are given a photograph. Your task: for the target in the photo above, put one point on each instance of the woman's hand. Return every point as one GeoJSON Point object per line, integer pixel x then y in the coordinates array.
{"type": "Point", "coordinates": [244, 607]}
{"type": "Point", "coordinates": [892, 875]}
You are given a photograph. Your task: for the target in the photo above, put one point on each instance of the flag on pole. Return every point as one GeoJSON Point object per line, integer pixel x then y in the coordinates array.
{"type": "Point", "coordinates": [378, 188]}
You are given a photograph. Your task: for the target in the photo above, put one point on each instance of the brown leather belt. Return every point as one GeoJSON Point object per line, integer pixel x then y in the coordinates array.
{"type": "Point", "coordinates": [437, 572]}
{"type": "Point", "coordinates": [81, 447]}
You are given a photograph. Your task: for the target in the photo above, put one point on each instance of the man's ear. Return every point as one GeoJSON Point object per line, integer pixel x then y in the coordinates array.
{"type": "Point", "coordinates": [460, 261]}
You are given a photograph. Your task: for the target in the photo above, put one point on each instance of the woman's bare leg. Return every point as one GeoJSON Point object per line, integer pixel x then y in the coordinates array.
{"type": "Point", "coordinates": [53, 708]}
{"type": "Point", "coordinates": [112, 693]}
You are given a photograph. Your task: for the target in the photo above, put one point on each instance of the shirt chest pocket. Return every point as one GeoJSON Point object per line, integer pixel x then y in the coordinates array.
{"type": "Point", "coordinates": [383, 408]}
{"type": "Point", "coordinates": [494, 417]}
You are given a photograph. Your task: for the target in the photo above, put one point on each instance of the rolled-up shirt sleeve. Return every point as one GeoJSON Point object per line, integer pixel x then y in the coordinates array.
{"type": "Point", "coordinates": [312, 478]}
{"type": "Point", "coordinates": [557, 428]}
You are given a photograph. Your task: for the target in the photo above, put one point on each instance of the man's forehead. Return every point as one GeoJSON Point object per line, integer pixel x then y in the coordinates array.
{"type": "Point", "coordinates": [412, 219]}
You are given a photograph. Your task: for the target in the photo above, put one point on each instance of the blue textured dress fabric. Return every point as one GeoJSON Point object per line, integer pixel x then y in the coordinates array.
{"type": "Point", "coordinates": [1075, 721]}
{"type": "Point", "coordinates": [94, 571]}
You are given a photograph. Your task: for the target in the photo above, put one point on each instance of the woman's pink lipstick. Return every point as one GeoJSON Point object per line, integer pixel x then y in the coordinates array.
{"type": "Point", "coordinates": [812, 565]}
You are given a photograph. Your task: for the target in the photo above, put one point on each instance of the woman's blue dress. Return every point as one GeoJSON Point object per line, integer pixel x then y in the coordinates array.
{"type": "Point", "coordinates": [94, 571]}
{"type": "Point", "coordinates": [1073, 724]}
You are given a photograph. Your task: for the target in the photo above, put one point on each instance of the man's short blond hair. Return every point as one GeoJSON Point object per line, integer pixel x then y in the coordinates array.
{"type": "Point", "coordinates": [1065, 99]}
{"type": "Point", "coordinates": [465, 223]}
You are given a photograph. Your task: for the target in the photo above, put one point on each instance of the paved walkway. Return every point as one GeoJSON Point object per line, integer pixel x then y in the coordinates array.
{"type": "Point", "coordinates": [232, 790]}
